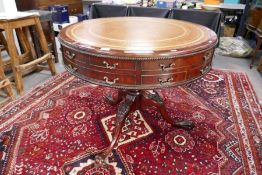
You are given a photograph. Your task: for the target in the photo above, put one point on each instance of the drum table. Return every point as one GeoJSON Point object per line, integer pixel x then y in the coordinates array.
{"type": "Point", "coordinates": [137, 55]}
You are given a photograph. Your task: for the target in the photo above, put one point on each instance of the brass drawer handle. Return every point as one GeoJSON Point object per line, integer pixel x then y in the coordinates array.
{"type": "Point", "coordinates": [167, 67]}
{"type": "Point", "coordinates": [70, 55]}
{"type": "Point", "coordinates": [167, 81]}
{"type": "Point", "coordinates": [71, 67]}
{"type": "Point", "coordinates": [204, 70]}
{"type": "Point", "coordinates": [108, 66]}
{"type": "Point", "coordinates": [110, 82]}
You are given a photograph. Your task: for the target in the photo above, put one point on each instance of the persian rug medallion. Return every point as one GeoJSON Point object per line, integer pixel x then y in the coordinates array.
{"type": "Point", "coordinates": [58, 127]}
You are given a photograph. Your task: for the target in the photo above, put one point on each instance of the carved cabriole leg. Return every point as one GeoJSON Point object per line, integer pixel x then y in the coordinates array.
{"type": "Point", "coordinates": [131, 101]}
{"type": "Point", "coordinates": [152, 98]}
{"type": "Point", "coordinates": [124, 109]}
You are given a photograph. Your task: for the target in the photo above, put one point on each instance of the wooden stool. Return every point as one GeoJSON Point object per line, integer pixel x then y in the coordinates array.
{"type": "Point", "coordinates": [4, 82]}
{"type": "Point", "coordinates": [19, 66]}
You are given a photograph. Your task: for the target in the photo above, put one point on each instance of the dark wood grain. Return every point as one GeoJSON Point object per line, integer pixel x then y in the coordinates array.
{"type": "Point", "coordinates": [138, 37]}
{"type": "Point", "coordinates": [138, 74]}
{"type": "Point", "coordinates": [175, 56]}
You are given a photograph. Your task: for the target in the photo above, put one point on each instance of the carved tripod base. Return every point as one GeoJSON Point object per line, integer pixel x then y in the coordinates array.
{"type": "Point", "coordinates": [129, 101]}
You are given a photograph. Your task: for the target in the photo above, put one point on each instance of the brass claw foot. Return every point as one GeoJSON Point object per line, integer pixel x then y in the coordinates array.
{"type": "Point", "coordinates": [125, 107]}
{"type": "Point", "coordinates": [154, 99]}
{"type": "Point", "coordinates": [187, 125]}
{"type": "Point", "coordinates": [99, 160]}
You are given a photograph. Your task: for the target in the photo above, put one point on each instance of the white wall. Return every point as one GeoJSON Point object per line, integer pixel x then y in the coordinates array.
{"type": "Point", "coordinates": [8, 6]}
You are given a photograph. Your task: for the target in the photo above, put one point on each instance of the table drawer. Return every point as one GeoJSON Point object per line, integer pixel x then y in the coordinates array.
{"type": "Point", "coordinates": [171, 64]}
{"type": "Point", "coordinates": [163, 79]}
{"type": "Point", "coordinates": [71, 65]}
{"type": "Point", "coordinates": [108, 78]}
{"type": "Point", "coordinates": [111, 64]}
{"type": "Point", "coordinates": [74, 56]}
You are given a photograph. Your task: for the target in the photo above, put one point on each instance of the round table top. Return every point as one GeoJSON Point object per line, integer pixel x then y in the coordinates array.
{"type": "Point", "coordinates": [138, 37]}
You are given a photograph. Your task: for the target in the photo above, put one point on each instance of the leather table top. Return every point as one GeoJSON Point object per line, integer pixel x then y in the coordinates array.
{"type": "Point", "coordinates": [141, 37]}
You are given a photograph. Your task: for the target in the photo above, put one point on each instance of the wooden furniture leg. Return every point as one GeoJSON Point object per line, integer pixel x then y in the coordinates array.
{"type": "Point", "coordinates": [44, 46]}
{"type": "Point", "coordinates": [132, 100]}
{"type": "Point", "coordinates": [7, 63]}
{"type": "Point", "coordinates": [259, 68]}
{"type": "Point", "coordinates": [3, 41]}
{"type": "Point", "coordinates": [125, 108]}
{"type": "Point", "coordinates": [5, 83]}
{"type": "Point", "coordinates": [50, 23]}
{"type": "Point", "coordinates": [25, 46]}
{"type": "Point", "coordinates": [153, 99]}
{"type": "Point", "coordinates": [14, 60]}
{"type": "Point", "coordinates": [30, 42]}
{"type": "Point", "coordinates": [259, 42]}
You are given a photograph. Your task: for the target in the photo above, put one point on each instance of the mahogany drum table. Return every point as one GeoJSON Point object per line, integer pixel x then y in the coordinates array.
{"type": "Point", "coordinates": [137, 55]}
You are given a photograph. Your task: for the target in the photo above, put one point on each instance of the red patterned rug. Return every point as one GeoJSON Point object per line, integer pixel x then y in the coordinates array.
{"type": "Point", "coordinates": [59, 126]}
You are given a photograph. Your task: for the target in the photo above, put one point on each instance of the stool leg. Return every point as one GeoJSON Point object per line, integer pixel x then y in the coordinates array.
{"type": "Point", "coordinates": [14, 60]}
{"type": "Point", "coordinates": [51, 65]}
{"type": "Point", "coordinates": [44, 45]}
{"type": "Point", "coordinates": [259, 42]}
{"type": "Point", "coordinates": [3, 41]}
{"type": "Point", "coordinates": [50, 24]}
{"type": "Point", "coordinates": [9, 90]}
{"type": "Point", "coordinates": [6, 82]}
{"type": "Point", "coordinates": [2, 73]}
{"type": "Point", "coordinates": [30, 42]}
{"type": "Point", "coordinates": [25, 39]}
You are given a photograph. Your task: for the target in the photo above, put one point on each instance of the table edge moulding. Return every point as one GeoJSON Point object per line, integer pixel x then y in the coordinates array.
{"type": "Point", "coordinates": [137, 55]}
